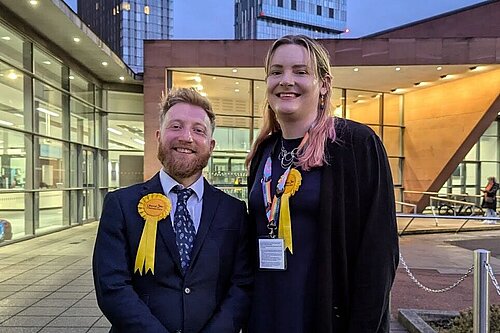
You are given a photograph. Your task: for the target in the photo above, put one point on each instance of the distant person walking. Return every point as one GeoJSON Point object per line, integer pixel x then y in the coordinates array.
{"type": "Point", "coordinates": [490, 200]}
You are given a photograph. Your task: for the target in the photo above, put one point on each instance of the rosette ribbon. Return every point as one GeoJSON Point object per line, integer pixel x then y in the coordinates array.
{"type": "Point", "coordinates": [152, 208]}
{"type": "Point", "coordinates": [293, 182]}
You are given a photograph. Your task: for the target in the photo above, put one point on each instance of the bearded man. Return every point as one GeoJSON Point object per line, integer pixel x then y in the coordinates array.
{"type": "Point", "coordinates": [172, 254]}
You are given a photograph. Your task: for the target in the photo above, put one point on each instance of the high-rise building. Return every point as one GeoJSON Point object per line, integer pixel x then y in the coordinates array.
{"type": "Point", "coordinates": [123, 25]}
{"type": "Point", "coordinates": [270, 19]}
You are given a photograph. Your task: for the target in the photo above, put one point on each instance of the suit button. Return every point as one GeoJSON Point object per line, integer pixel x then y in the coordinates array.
{"type": "Point", "coordinates": [187, 291]}
{"type": "Point", "coordinates": [335, 307]}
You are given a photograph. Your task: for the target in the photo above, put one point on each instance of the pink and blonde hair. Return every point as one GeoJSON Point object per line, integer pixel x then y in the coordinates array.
{"type": "Point", "coordinates": [312, 153]}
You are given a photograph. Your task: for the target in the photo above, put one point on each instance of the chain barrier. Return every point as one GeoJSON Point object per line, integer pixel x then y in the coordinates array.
{"type": "Point", "coordinates": [442, 290]}
{"type": "Point", "coordinates": [493, 278]}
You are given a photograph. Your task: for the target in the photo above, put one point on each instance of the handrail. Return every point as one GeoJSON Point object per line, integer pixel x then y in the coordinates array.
{"type": "Point", "coordinates": [408, 205]}
{"type": "Point", "coordinates": [452, 201]}
{"type": "Point", "coordinates": [412, 217]}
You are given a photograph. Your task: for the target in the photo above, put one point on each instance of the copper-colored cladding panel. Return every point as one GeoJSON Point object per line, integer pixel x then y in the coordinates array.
{"type": "Point", "coordinates": [471, 22]}
{"type": "Point", "coordinates": [442, 123]}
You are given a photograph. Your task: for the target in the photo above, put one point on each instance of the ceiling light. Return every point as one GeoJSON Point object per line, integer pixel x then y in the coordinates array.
{"type": "Point", "coordinates": [122, 78]}
{"type": "Point", "coordinates": [34, 2]}
{"type": "Point", "coordinates": [356, 69]}
{"type": "Point", "coordinates": [139, 141]}
{"type": "Point", "coordinates": [76, 39]}
{"type": "Point", "coordinates": [438, 68]}
{"type": "Point", "coordinates": [236, 82]}
{"type": "Point", "coordinates": [12, 76]}
{"type": "Point", "coordinates": [104, 63]}
{"type": "Point", "coordinates": [347, 30]}
{"type": "Point", "coordinates": [236, 90]}
{"type": "Point", "coordinates": [197, 79]}
{"type": "Point", "coordinates": [204, 94]}
{"type": "Point", "coordinates": [6, 38]}
{"type": "Point", "coordinates": [112, 130]}
{"type": "Point", "coordinates": [20, 115]}
{"type": "Point", "coordinates": [50, 113]}
{"type": "Point", "coordinates": [214, 78]}
{"type": "Point", "coordinates": [46, 62]}
{"type": "Point", "coordinates": [6, 123]}
{"type": "Point", "coordinates": [235, 70]}
{"type": "Point", "coordinates": [199, 87]}
{"type": "Point", "coordinates": [397, 69]}
{"type": "Point", "coordinates": [71, 77]}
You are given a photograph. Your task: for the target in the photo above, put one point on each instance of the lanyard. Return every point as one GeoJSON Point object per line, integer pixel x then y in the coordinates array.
{"type": "Point", "coordinates": [273, 206]}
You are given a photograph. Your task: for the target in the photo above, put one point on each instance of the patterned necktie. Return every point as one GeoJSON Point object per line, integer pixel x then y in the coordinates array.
{"type": "Point", "coordinates": [183, 226]}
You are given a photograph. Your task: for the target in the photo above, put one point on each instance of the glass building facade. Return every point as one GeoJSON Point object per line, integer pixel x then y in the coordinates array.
{"type": "Point", "coordinates": [123, 25]}
{"type": "Point", "coordinates": [65, 140]}
{"type": "Point", "coordinates": [271, 19]}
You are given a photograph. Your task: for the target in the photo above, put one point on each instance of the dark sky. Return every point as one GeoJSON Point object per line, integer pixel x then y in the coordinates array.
{"type": "Point", "coordinates": [213, 19]}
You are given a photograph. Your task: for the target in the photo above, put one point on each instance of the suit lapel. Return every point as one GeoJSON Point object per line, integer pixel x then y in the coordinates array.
{"type": "Point", "coordinates": [211, 198]}
{"type": "Point", "coordinates": [165, 229]}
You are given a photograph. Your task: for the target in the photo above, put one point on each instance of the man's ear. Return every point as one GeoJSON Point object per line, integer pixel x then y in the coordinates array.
{"type": "Point", "coordinates": [158, 135]}
{"type": "Point", "coordinates": [212, 145]}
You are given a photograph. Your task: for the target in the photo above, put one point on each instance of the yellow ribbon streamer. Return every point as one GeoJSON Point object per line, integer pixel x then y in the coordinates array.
{"type": "Point", "coordinates": [152, 208]}
{"type": "Point", "coordinates": [293, 182]}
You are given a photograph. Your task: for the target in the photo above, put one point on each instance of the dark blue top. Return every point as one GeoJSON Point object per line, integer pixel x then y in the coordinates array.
{"type": "Point", "coordinates": [283, 300]}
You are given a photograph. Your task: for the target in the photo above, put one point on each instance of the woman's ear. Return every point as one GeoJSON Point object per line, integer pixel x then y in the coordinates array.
{"type": "Point", "coordinates": [326, 84]}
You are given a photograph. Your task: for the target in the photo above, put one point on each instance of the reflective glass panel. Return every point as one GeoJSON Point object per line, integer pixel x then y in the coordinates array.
{"type": "Point", "coordinates": [50, 166]}
{"type": "Point", "coordinates": [11, 97]}
{"type": "Point", "coordinates": [82, 122]}
{"type": "Point", "coordinates": [363, 106]}
{"type": "Point", "coordinates": [13, 166]}
{"type": "Point", "coordinates": [49, 115]}
{"type": "Point", "coordinates": [47, 67]}
{"type": "Point", "coordinates": [11, 46]}
{"type": "Point", "coordinates": [125, 131]}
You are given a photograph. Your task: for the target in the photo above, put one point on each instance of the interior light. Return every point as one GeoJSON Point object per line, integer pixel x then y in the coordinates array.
{"type": "Point", "coordinates": [197, 79]}
{"type": "Point", "coordinates": [235, 70]}
{"type": "Point", "coordinates": [6, 123]}
{"type": "Point", "coordinates": [20, 115]}
{"type": "Point", "coordinates": [236, 90]}
{"type": "Point", "coordinates": [214, 78]}
{"type": "Point", "coordinates": [51, 113]}
{"type": "Point", "coordinates": [12, 76]}
{"type": "Point", "coordinates": [76, 39]}
{"type": "Point", "coordinates": [204, 94]}
{"type": "Point", "coordinates": [347, 30]}
{"type": "Point", "coordinates": [46, 62]}
{"type": "Point", "coordinates": [112, 130]}
{"type": "Point", "coordinates": [236, 82]}
{"type": "Point", "coordinates": [122, 78]}
{"type": "Point", "coordinates": [71, 77]}
{"type": "Point", "coordinates": [397, 69]}
{"type": "Point", "coordinates": [139, 141]}
{"type": "Point", "coordinates": [104, 63]}
{"type": "Point", "coordinates": [34, 2]}
{"type": "Point", "coordinates": [356, 69]}
{"type": "Point", "coordinates": [438, 68]}
{"type": "Point", "coordinates": [6, 38]}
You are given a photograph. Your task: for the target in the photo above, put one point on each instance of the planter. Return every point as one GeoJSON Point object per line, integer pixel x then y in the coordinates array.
{"type": "Point", "coordinates": [415, 321]}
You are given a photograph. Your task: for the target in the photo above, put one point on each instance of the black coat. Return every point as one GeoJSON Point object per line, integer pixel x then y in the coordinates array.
{"type": "Point", "coordinates": [492, 193]}
{"type": "Point", "coordinates": [358, 244]}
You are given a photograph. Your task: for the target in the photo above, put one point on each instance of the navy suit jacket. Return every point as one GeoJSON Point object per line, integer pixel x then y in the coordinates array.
{"type": "Point", "coordinates": [214, 293]}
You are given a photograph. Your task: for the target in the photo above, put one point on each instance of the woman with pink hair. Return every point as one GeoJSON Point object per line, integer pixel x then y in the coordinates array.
{"type": "Point", "coordinates": [321, 199]}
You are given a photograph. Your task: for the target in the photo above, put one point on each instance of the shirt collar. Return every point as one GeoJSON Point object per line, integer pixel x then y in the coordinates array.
{"type": "Point", "coordinates": [168, 183]}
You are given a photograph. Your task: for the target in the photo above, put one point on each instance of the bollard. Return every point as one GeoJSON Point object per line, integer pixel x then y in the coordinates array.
{"type": "Point", "coordinates": [480, 308]}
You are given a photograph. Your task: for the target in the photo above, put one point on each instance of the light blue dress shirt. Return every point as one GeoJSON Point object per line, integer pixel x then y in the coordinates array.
{"type": "Point", "coordinates": [194, 203]}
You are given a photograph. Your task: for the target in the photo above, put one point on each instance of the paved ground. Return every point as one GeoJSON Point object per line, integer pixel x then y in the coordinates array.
{"type": "Point", "coordinates": [46, 283]}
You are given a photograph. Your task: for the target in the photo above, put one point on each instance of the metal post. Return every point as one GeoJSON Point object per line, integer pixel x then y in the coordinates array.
{"type": "Point", "coordinates": [480, 306]}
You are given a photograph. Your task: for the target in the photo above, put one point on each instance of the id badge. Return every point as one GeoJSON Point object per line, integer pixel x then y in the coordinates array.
{"type": "Point", "coordinates": [272, 254]}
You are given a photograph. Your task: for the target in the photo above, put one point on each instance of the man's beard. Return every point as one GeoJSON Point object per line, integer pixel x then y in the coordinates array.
{"type": "Point", "coordinates": [181, 168]}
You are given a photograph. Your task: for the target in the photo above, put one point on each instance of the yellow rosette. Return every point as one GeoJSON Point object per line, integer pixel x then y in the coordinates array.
{"type": "Point", "coordinates": [292, 185]}
{"type": "Point", "coordinates": [153, 208]}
